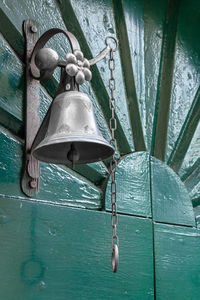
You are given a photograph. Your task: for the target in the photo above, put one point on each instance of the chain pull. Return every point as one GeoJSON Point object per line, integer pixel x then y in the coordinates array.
{"type": "Point", "coordinates": [113, 163]}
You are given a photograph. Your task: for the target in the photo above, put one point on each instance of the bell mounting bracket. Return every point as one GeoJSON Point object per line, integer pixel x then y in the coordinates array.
{"type": "Point", "coordinates": [30, 182]}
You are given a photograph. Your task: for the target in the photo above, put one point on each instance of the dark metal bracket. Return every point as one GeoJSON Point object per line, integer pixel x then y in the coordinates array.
{"type": "Point", "coordinates": [31, 176]}
{"type": "Point", "coordinates": [30, 182]}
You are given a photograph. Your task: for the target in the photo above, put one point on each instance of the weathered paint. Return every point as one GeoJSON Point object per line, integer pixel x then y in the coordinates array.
{"type": "Point", "coordinates": [129, 81]}
{"type": "Point", "coordinates": [154, 12]}
{"type": "Point", "coordinates": [147, 187]}
{"type": "Point", "coordinates": [177, 262]}
{"type": "Point", "coordinates": [186, 134]}
{"type": "Point", "coordinates": [162, 105]}
{"type": "Point", "coordinates": [192, 156]}
{"type": "Point", "coordinates": [186, 70]}
{"type": "Point", "coordinates": [133, 18]}
{"type": "Point", "coordinates": [73, 190]}
{"type": "Point", "coordinates": [11, 81]}
{"type": "Point", "coordinates": [170, 199]}
{"type": "Point", "coordinates": [133, 185]}
{"type": "Point", "coordinates": [60, 253]}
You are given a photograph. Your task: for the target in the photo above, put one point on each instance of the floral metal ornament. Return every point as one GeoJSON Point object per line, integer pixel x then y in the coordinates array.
{"type": "Point", "coordinates": [78, 66]}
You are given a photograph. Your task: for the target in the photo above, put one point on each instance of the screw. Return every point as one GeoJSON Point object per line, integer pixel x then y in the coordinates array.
{"type": "Point", "coordinates": [33, 28]}
{"type": "Point", "coordinates": [33, 184]}
{"type": "Point", "coordinates": [68, 86]}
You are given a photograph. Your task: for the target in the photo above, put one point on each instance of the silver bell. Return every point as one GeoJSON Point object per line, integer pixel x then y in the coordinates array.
{"type": "Point", "coordinates": [72, 135]}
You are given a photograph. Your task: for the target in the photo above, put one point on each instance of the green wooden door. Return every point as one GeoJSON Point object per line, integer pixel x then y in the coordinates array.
{"type": "Point", "coordinates": [57, 245]}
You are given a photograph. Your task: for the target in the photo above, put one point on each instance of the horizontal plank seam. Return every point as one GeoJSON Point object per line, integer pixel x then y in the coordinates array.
{"type": "Point", "coordinates": [32, 200]}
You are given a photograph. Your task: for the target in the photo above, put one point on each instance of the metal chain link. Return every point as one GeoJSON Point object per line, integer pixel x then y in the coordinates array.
{"type": "Point", "coordinates": [113, 163]}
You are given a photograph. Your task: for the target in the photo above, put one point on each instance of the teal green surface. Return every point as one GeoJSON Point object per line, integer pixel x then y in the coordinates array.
{"type": "Point", "coordinates": [186, 78]}
{"type": "Point", "coordinates": [58, 184]}
{"type": "Point", "coordinates": [170, 199]}
{"type": "Point", "coordinates": [129, 81]}
{"type": "Point", "coordinates": [133, 185]}
{"type": "Point", "coordinates": [53, 252]}
{"type": "Point", "coordinates": [154, 12]}
{"type": "Point", "coordinates": [148, 187]}
{"type": "Point", "coordinates": [177, 262]}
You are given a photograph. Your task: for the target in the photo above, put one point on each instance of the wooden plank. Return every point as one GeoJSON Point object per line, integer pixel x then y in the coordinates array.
{"type": "Point", "coordinates": [10, 122]}
{"type": "Point", "coordinates": [71, 189]}
{"type": "Point", "coordinates": [94, 172]}
{"type": "Point", "coordinates": [11, 81]}
{"type": "Point", "coordinates": [186, 134]}
{"type": "Point", "coordinates": [170, 199]}
{"type": "Point", "coordinates": [11, 34]}
{"type": "Point", "coordinates": [71, 20]}
{"type": "Point", "coordinates": [193, 177]}
{"type": "Point", "coordinates": [186, 70]}
{"type": "Point", "coordinates": [162, 106]}
{"type": "Point", "coordinates": [133, 185]}
{"type": "Point", "coordinates": [154, 12]}
{"type": "Point", "coordinates": [129, 80]}
{"type": "Point", "coordinates": [52, 252]}
{"type": "Point", "coordinates": [177, 262]}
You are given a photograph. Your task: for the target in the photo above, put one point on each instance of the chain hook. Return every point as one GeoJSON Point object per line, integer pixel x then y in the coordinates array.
{"type": "Point", "coordinates": [115, 42]}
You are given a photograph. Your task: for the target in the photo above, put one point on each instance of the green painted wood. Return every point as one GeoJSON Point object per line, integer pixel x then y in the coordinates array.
{"type": "Point", "coordinates": [161, 115]}
{"type": "Point", "coordinates": [11, 34]}
{"type": "Point", "coordinates": [170, 199]}
{"type": "Point", "coordinates": [186, 134]}
{"type": "Point", "coordinates": [11, 81]}
{"type": "Point", "coordinates": [72, 23]}
{"type": "Point", "coordinates": [194, 177]}
{"type": "Point", "coordinates": [13, 124]}
{"type": "Point", "coordinates": [192, 182]}
{"type": "Point", "coordinates": [129, 81]}
{"type": "Point", "coordinates": [52, 252]}
{"type": "Point", "coordinates": [95, 172]}
{"type": "Point", "coordinates": [154, 12]}
{"type": "Point", "coordinates": [143, 184]}
{"type": "Point", "coordinates": [73, 190]}
{"type": "Point", "coordinates": [186, 70]}
{"type": "Point", "coordinates": [192, 156]}
{"type": "Point", "coordinates": [133, 185]}
{"type": "Point", "coordinates": [177, 262]}
{"type": "Point", "coordinates": [133, 17]}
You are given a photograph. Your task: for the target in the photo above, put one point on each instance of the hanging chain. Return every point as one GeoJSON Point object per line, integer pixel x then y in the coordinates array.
{"type": "Point", "coordinates": [113, 163]}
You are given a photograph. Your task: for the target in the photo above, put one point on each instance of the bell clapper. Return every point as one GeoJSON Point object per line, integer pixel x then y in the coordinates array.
{"type": "Point", "coordinates": [73, 155]}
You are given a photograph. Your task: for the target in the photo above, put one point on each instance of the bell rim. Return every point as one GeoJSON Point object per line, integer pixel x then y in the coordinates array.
{"type": "Point", "coordinates": [79, 139]}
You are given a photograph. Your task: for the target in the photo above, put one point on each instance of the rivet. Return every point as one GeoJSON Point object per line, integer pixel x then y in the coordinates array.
{"type": "Point", "coordinates": [68, 86]}
{"type": "Point", "coordinates": [33, 184]}
{"type": "Point", "coordinates": [33, 28]}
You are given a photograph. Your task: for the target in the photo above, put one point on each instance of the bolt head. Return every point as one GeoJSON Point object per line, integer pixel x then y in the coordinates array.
{"type": "Point", "coordinates": [68, 86]}
{"type": "Point", "coordinates": [33, 28]}
{"type": "Point", "coordinates": [33, 184]}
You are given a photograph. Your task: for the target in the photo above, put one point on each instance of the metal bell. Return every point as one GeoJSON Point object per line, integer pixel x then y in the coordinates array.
{"type": "Point", "coordinates": [71, 134]}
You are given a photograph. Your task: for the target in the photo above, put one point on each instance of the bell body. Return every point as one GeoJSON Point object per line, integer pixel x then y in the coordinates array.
{"type": "Point", "coordinates": [72, 135]}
